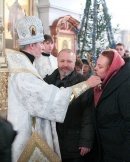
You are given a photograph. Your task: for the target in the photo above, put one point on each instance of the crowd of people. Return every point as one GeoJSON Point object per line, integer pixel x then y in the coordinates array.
{"type": "Point", "coordinates": [81, 116]}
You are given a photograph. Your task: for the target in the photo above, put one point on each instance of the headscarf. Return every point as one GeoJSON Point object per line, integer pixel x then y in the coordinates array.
{"type": "Point", "coordinates": [115, 66]}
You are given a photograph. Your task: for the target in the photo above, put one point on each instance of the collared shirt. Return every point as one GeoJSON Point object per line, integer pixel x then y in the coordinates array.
{"type": "Point", "coordinates": [46, 54]}
{"type": "Point", "coordinates": [62, 83]}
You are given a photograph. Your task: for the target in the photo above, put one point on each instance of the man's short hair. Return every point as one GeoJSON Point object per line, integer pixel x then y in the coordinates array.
{"type": "Point", "coordinates": [68, 51]}
{"type": "Point", "coordinates": [23, 47]}
{"type": "Point", "coordinates": [48, 38]}
{"type": "Point", "coordinates": [120, 44]}
{"type": "Point", "coordinates": [127, 51]}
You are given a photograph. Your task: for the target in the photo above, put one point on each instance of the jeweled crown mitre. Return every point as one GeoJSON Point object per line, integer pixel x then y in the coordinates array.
{"type": "Point", "coordinates": [29, 30]}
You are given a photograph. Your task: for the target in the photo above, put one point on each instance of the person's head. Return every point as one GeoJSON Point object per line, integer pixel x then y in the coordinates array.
{"type": "Point", "coordinates": [29, 30]}
{"type": "Point", "coordinates": [66, 62]}
{"type": "Point", "coordinates": [127, 53]}
{"type": "Point", "coordinates": [78, 65]}
{"type": "Point", "coordinates": [48, 44]}
{"type": "Point", "coordinates": [103, 63]}
{"type": "Point", "coordinates": [120, 49]}
{"type": "Point", "coordinates": [86, 67]}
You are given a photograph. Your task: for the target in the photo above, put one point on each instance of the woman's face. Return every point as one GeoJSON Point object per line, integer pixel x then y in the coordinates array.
{"type": "Point", "coordinates": [102, 67]}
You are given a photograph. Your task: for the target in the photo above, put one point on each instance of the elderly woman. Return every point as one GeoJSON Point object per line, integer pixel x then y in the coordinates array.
{"type": "Point", "coordinates": [112, 106]}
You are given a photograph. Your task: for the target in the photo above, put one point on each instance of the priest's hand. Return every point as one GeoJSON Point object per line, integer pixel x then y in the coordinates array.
{"type": "Point", "coordinates": [93, 81]}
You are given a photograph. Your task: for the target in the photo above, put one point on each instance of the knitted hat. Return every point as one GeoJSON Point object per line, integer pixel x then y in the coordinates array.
{"type": "Point", "coordinates": [29, 30]}
{"type": "Point", "coordinates": [85, 61]}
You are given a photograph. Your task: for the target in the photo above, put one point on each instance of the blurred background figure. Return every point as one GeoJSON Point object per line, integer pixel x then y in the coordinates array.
{"type": "Point", "coordinates": [79, 65]}
{"type": "Point", "coordinates": [46, 63]}
{"type": "Point", "coordinates": [127, 53]}
{"type": "Point", "coordinates": [15, 13]}
{"type": "Point", "coordinates": [87, 72]}
{"type": "Point", "coordinates": [7, 135]}
{"type": "Point", "coordinates": [120, 49]}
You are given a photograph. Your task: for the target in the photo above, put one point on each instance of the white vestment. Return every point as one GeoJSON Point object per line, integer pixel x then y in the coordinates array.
{"type": "Point", "coordinates": [45, 65]}
{"type": "Point", "coordinates": [29, 96]}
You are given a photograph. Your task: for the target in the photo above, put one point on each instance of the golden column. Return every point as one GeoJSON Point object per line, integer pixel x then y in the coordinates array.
{"type": "Point", "coordinates": [3, 67]}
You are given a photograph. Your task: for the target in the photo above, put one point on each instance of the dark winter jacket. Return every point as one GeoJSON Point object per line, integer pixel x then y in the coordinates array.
{"type": "Point", "coordinates": [7, 135]}
{"type": "Point", "coordinates": [113, 117]}
{"type": "Point", "coordinates": [77, 129]}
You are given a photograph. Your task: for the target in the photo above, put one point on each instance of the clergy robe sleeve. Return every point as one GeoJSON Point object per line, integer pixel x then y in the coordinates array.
{"type": "Point", "coordinates": [80, 88]}
{"type": "Point", "coordinates": [39, 98]}
{"type": "Point", "coordinates": [43, 100]}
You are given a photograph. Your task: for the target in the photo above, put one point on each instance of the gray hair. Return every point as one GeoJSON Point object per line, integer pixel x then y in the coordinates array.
{"type": "Point", "coordinates": [67, 51]}
{"type": "Point", "coordinates": [23, 47]}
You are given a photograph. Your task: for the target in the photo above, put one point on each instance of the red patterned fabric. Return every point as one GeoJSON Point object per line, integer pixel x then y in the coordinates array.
{"type": "Point", "coordinates": [117, 63]}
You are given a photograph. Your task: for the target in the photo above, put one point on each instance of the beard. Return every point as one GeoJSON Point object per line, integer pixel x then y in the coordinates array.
{"type": "Point", "coordinates": [64, 74]}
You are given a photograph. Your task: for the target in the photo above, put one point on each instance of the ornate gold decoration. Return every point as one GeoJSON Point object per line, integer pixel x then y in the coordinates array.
{"type": "Point", "coordinates": [1, 47]}
{"type": "Point", "coordinates": [72, 97]}
{"type": "Point", "coordinates": [34, 142]}
{"type": "Point", "coordinates": [67, 23]}
{"type": "Point", "coordinates": [1, 29]}
{"type": "Point", "coordinates": [3, 62]}
{"type": "Point", "coordinates": [1, 36]}
{"type": "Point", "coordinates": [33, 30]}
{"type": "Point", "coordinates": [80, 88]}
{"type": "Point", "coordinates": [64, 27]}
{"type": "Point", "coordinates": [3, 68]}
{"type": "Point", "coordinates": [3, 93]}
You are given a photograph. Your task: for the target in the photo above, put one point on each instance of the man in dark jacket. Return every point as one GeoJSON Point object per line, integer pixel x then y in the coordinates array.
{"type": "Point", "coordinates": [76, 133]}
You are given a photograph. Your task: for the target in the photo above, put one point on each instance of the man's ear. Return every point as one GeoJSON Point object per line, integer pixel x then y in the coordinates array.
{"type": "Point", "coordinates": [31, 46]}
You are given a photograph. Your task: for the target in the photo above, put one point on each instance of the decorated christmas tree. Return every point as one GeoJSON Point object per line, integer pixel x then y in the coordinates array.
{"type": "Point", "coordinates": [95, 33]}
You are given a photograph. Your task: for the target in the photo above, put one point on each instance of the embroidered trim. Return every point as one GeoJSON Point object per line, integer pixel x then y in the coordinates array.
{"type": "Point", "coordinates": [34, 142]}
{"type": "Point", "coordinates": [3, 93]}
{"type": "Point", "coordinates": [80, 88]}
